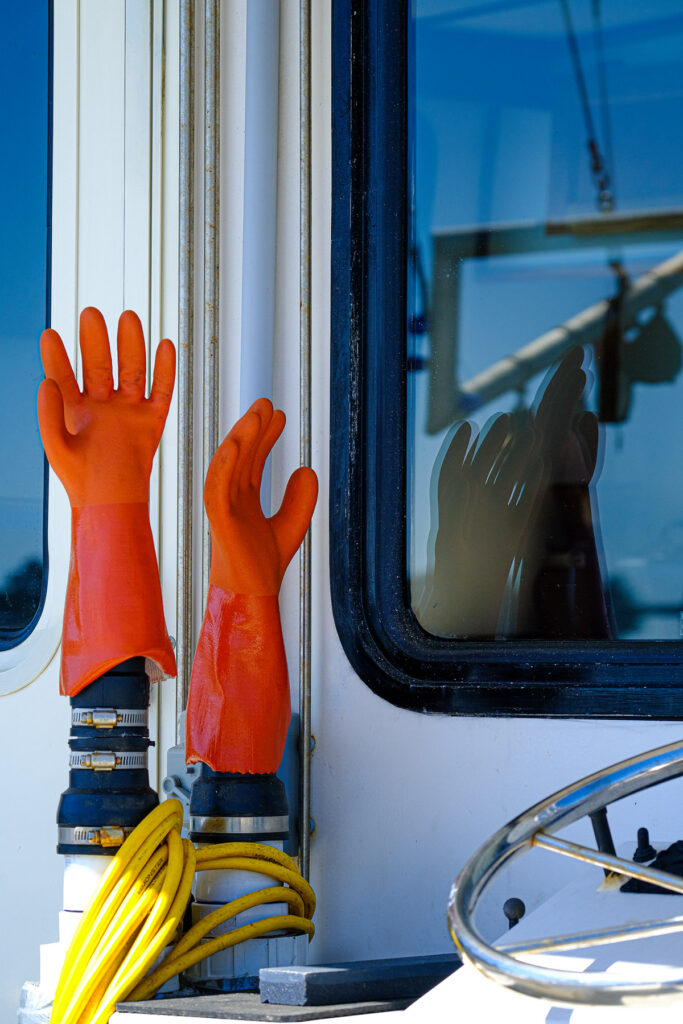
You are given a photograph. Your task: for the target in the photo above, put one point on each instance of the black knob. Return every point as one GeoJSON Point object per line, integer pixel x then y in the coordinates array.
{"type": "Point", "coordinates": [514, 910]}
{"type": "Point", "coordinates": [645, 851]}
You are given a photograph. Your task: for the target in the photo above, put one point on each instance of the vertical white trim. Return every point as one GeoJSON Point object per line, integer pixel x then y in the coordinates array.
{"type": "Point", "coordinates": [165, 241]}
{"type": "Point", "coordinates": [65, 182]}
{"type": "Point", "coordinates": [286, 377]}
{"type": "Point", "coordinates": [233, 84]}
{"type": "Point", "coordinates": [101, 158]}
{"type": "Point", "coordinates": [137, 164]}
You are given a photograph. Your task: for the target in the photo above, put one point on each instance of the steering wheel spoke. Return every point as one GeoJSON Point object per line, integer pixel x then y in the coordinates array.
{"type": "Point", "coordinates": [598, 937]}
{"type": "Point", "coordinates": [617, 865]}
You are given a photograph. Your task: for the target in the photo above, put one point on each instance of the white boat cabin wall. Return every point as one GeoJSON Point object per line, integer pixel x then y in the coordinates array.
{"type": "Point", "coordinates": [403, 792]}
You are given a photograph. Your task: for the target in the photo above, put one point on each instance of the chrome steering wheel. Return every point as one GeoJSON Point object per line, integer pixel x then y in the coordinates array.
{"type": "Point", "coordinates": [535, 828]}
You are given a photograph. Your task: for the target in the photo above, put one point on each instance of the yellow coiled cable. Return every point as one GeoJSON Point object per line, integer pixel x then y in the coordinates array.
{"type": "Point", "coordinates": [139, 906]}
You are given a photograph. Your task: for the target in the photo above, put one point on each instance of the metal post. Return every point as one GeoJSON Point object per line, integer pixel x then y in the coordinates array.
{"type": "Point", "coordinates": [212, 64]}
{"type": "Point", "coordinates": [185, 358]}
{"type": "Point", "coordinates": [305, 425]}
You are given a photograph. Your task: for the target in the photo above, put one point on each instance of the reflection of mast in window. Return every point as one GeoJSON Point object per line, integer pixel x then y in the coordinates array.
{"type": "Point", "coordinates": [25, 77]}
{"type": "Point", "coordinates": [545, 390]}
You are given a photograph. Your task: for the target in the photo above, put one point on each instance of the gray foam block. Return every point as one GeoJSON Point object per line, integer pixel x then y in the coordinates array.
{"type": "Point", "coordinates": [401, 978]}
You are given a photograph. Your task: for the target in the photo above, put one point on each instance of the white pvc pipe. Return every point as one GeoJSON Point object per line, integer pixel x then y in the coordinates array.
{"type": "Point", "coordinates": [260, 200]}
{"type": "Point", "coordinates": [83, 874]}
{"type": "Point", "coordinates": [260, 206]}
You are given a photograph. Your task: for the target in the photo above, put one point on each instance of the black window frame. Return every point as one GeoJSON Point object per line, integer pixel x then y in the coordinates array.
{"type": "Point", "coordinates": [381, 636]}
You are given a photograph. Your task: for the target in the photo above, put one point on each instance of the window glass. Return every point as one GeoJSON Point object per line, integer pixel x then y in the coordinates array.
{"type": "Point", "coordinates": [24, 174]}
{"type": "Point", "coordinates": [545, 318]}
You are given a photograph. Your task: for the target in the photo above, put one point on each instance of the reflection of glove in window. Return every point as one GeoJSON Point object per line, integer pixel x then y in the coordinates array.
{"type": "Point", "coordinates": [101, 442]}
{"type": "Point", "coordinates": [238, 709]}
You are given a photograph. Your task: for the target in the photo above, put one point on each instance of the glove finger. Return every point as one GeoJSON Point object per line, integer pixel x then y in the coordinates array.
{"type": "Point", "coordinates": [130, 344]}
{"type": "Point", "coordinates": [491, 441]}
{"type": "Point", "coordinates": [588, 432]}
{"type": "Point", "coordinates": [57, 366]}
{"type": "Point", "coordinates": [529, 489]}
{"type": "Point", "coordinates": [557, 398]}
{"type": "Point", "coordinates": [219, 478]}
{"type": "Point", "coordinates": [53, 432]}
{"type": "Point", "coordinates": [518, 465]}
{"type": "Point", "coordinates": [163, 378]}
{"type": "Point", "coordinates": [294, 515]}
{"type": "Point", "coordinates": [246, 434]}
{"type": "Point", "coordinates": [450, 472]}
{"type": "Point", "coordinates": [262, 408]}
{"type": "Point", "coordinates": [98, 380]}
{"type": "Point", "coordinates": [269, 436]}
{"type": "Point", "coordinates": [556, 377]}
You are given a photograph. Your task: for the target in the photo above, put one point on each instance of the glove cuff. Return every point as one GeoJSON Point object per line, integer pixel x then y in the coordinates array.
{"type": "Point", "coordinates": [113, 609]}
{"type": "Point", "coordinates": [239, 707]}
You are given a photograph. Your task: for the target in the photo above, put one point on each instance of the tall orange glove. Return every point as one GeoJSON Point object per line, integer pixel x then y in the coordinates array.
{"type": "Point", "coordinates": [101, 442]}
{"type": "Point", "coordinates": [239, 709]}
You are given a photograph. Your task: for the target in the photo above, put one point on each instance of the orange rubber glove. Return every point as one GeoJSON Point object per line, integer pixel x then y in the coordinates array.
{"type": "Point", "coordinates": [239, 710]}
{"type": "Point", "coordinates": [101, 442]}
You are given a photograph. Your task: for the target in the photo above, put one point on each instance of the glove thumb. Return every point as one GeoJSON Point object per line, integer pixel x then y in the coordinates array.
{"type": "Point", "coordinates": [53, 432]}
{"type": "Point", "coordinates": [292, 519]}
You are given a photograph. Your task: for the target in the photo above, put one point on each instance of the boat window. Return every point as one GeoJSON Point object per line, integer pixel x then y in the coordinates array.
{"type": "Point", "coordinates": [507, 388]}
{"type": "Point", "coordinates": [25, 72]}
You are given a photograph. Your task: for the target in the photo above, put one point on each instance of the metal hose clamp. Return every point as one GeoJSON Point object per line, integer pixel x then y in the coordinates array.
{"type": "Point", "coordinates": [237, 825]}
{"type": "Point", "coordinates": [108, 760]}
{"type": "Point", "coordinates": [109, 718]}
{"type": "Point", "coordinates": [89, 835]}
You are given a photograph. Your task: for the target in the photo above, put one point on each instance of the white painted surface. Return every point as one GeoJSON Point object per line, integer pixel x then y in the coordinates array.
{"type": "Point", "coordinates": [473, 997]}
{"type": "Point", "coordinates": [400, 800]}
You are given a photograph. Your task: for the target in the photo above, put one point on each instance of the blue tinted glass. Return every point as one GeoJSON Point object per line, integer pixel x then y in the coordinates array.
{"type": "Point", "coordinates": [24, 182]}
{"type": "Point", "coordinates": [545, 319]}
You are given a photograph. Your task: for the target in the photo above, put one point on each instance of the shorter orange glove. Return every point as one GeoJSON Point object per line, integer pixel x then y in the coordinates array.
{"type": "Point", "coordinates": [239, 708]}
{"type": "Point", "coordinates": [101, 443]}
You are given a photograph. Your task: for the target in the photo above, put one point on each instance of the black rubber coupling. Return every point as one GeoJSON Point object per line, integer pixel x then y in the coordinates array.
{"type": "Point", "coordinates": [236, 807]}
{"type": "Point", "coordinates": [109, 792]}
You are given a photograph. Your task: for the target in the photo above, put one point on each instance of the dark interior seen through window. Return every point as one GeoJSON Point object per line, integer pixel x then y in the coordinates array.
{"type": "Point", "coordinates": [25, 177]}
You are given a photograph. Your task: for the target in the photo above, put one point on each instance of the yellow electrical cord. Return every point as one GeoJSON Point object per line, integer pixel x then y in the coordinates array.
{"type": "Point", "coordinates": [139, 906]}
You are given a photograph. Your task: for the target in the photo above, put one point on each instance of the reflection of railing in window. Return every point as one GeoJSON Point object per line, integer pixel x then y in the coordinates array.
{"type": "Point", "coordinates": [449, 400]}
